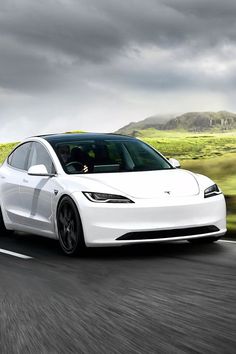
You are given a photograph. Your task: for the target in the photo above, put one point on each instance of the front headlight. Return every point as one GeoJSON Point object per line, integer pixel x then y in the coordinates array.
{"type": "Point", "coordinates": [106, 198]}
{"type": "Point", "coordinates": [211, 191]}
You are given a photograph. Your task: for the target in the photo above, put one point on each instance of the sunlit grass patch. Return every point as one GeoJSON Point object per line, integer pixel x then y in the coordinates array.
{"type": "Point", "coordinates": [189, 146]}
{"type": "Point", "coordinates": [221, 169]}
{"type": "Point", "coordinates": [231, 224]}
{"type": "Point", "coordinates": [5, 150]}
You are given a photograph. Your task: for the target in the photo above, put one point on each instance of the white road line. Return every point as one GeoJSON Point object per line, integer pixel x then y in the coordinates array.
{"type": "Point", "coordinates": [227, 241]}
{"type": "Point", "coordinates": [15, 254]}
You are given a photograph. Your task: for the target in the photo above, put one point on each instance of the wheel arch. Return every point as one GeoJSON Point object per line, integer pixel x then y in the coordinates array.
{"type": "Point", "coordinates": [77, 207]}
{"type": "Point", "coordinates": [63, 196]}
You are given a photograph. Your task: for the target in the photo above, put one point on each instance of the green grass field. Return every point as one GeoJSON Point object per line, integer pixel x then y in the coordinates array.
{"type": "Point", "coordinates": [5, 149]}
{"type": "Point", "coordinates": [212, 154]}
{"type": "Point", "coordinates": [190, 146]}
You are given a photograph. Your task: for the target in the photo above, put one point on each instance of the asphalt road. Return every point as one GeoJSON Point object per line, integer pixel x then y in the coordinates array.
{"type": "Point", "coordinates": [172, 298]}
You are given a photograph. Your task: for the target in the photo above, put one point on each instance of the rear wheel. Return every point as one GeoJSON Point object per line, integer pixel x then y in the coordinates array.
{"type": "Point", "coordinates": [70, 231]}
{"type": "Point", "coordinates": [205, 240]}
{"type": "Point", "coordinates": [3, 229]}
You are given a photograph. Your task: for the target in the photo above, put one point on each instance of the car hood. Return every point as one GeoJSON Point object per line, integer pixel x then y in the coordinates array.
{"type": "Point", "coordinates": [143, 184]}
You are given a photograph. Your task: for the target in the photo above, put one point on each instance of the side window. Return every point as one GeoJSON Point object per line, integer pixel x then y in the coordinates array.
{"type": "Point", "coordinates": [40, 156]}
{"type": "Point", "coordinates": [19, 156]}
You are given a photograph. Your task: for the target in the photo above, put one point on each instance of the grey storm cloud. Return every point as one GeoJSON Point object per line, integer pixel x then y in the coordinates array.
{"type": "Point", "coordinates": [59, 56]}
{"type": "Point", "coordinates": [93, 30]}
{"type": "Point", "coordinates": [44, 39]}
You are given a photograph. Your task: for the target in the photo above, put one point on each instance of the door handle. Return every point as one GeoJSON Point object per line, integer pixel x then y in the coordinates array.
{"type": "Point", "coordinates": [25, 180]}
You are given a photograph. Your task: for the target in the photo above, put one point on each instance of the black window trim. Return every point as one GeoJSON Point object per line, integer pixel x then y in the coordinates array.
{"type": "Point", "coordinates": [45, 147]}
{"type": "Point", "coordinates": [27, 157]}
{"type": "Point", "coordinates": [26, 160]}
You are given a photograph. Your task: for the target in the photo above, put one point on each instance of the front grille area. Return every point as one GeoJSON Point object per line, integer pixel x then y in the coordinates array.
{"type": "Point", "coordinates": [191, 231]}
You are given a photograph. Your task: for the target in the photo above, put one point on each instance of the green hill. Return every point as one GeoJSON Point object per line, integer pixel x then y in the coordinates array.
{"type": "Point", "coordinates": [156, 122]}
{"type": "Point", "coordinates": [191, 122]}
{"type": "Point", "coordinates": [202, 121]}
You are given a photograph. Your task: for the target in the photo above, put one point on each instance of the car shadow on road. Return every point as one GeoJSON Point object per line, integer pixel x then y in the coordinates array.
{"type": "Point", "coordinates": [158, 250]}
{"type": "Point", "coordinates": [38, 247]}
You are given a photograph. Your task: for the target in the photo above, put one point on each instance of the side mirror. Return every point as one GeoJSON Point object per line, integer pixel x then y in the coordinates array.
{"type": "Point", "coordinates": [39, 170]}
{"type": "Point", "coordinates": [175, 163]}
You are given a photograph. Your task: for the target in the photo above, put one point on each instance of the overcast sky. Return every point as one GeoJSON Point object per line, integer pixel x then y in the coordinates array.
{"type": "Point", "coordinates": [96, 65]}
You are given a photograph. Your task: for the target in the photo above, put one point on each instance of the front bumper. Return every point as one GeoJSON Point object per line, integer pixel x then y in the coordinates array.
{"type": "Point", "coordinates": [104, 223]}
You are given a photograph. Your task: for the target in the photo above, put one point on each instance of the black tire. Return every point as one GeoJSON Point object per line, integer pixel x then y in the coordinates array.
{"type": "Point", "coordinates": [204, 240]}
{"type": "Point", "coordinates": [3, 230]}
{"type": "Point", "coordinates": [70, 231]}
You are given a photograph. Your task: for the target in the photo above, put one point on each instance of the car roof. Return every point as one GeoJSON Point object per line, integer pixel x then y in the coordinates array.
{"type": "Point", "coordinates": [55, 138]}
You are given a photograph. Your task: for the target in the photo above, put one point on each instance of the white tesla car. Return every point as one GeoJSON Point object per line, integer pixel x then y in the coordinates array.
{"type": "Point", "coordinates": [105, 190]}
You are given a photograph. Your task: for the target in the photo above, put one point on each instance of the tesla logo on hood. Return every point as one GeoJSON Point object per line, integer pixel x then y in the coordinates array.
{"type": "Point", "coordinates": [167, 192]}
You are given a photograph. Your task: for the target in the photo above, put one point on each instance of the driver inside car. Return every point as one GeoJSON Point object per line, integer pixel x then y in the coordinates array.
{"type": "Point", "coordinates": [75, 160]}
{"type": "Point", "coordinates": [81, 157]}
{"type": "Point", "coordinates": [64, 153]}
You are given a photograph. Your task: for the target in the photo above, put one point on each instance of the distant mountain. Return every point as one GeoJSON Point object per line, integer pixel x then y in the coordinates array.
{"type": "Point", "coordinates": [192, 122]}
{"type": "Point", "coordinates": [156, 122]}
{"type": "Point", "coordinates": [201, 121]}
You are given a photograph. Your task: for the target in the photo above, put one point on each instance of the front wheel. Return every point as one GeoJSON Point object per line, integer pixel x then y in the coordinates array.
{"type": "Point", "coordinates": [204, 240]}
{"type": "Point", "coordinates": [70, 231]}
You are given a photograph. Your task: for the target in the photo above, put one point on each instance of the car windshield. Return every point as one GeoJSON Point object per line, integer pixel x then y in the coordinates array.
{"type": "Point", "coordinates": [104, 156]}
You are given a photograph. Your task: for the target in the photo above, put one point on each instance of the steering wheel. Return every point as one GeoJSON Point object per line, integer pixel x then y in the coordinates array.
{"type": "Point", "coordinates": [75, 163]}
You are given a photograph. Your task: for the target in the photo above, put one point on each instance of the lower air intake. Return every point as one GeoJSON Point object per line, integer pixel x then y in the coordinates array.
{"type": "Point", "coordinates": [160, 234]}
